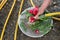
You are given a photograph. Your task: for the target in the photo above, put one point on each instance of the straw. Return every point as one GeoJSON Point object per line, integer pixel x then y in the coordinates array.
{"type": "Point", "coordinates": [16, 29]}
{"type": "Point", "coordinates": [10, 12]}
{"type": "Point", "coordinates": [2, 4]}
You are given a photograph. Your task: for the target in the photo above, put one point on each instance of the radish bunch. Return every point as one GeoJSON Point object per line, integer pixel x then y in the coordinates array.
{"type": "Point", "coordinates": [33, 11]}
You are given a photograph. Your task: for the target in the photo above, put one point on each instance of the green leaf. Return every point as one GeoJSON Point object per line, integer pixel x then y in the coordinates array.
{"type": "Point", "coordinates": [28, 14]}
{"type": "Point", "coordinates": [43, 17]}
{"type": "Point", "coordinates": [35, 25]}
{"type": "Point", "coordinates": [45, 24]}
{"type": "Point", "coordinates": [41, 25]}
{"type": "Point", "coordinates": [23, 26]}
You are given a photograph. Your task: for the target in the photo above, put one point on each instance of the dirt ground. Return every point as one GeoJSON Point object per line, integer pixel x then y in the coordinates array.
{"type": "Point", "coordinates": [54, 34]}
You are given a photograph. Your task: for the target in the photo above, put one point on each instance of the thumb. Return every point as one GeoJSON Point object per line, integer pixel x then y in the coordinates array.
{"type": "Point", "coordinates": [36, 17]}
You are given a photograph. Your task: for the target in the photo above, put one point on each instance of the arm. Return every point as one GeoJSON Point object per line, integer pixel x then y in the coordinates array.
{"type": "Point", "coordinates": [43, 7]}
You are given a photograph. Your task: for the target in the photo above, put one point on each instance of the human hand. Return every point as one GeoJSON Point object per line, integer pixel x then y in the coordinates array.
{"type": "Point", "coordinates": [42, 8]}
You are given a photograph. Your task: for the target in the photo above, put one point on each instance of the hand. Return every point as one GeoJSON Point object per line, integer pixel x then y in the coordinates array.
{"type": "Point", "coordinates": [40, 12]}
{"type": "Point", "coordinates": [42, 8]}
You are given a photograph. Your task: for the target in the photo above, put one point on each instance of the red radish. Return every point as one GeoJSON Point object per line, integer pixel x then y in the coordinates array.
{"type": "Point", "coordinates": [37, 31]}
{"type": "Point", "coordinates": [34, 11]}
{"type": "Point", "coordinates": [31, 11]}
{"type": "Point", "coordinates": [31, 19]}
